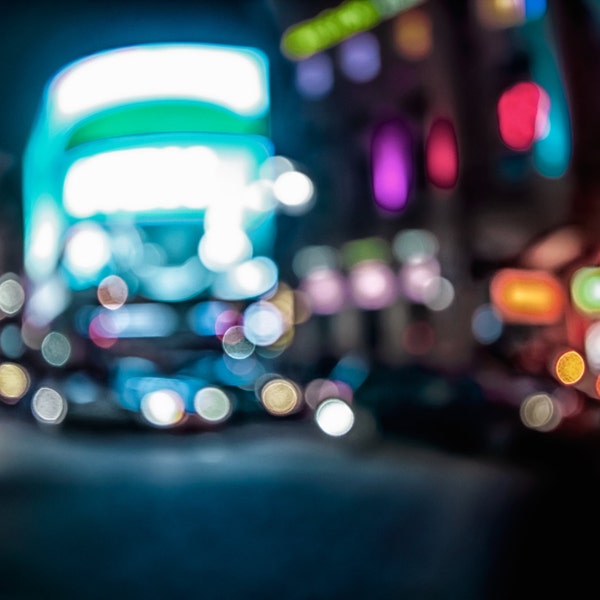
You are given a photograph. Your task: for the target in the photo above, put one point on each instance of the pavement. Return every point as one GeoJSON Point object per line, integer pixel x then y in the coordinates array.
{"type": "Point", "coordinates": [262, 510]}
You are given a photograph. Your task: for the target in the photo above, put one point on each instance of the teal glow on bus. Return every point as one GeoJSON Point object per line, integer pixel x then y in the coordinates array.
{"type": "Point", "coordinates": [148, 162]}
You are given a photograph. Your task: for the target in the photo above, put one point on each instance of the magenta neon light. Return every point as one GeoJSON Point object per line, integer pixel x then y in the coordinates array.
{"type": "Point", "coordinates": [392, 165]}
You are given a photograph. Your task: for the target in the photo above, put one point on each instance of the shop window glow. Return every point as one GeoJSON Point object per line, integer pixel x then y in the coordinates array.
{"type": "Point", "coordinates": [527, 296]}
{"type": "Point", "coordinates": [441, 154]}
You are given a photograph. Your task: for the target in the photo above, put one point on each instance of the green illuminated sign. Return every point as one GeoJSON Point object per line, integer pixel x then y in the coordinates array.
{"type": "Point", "coordinates": [585, 290]}
{"type": "Point", "coordinates": [334, 25]}
{"type": "Point", "coordinates": [372, 248]}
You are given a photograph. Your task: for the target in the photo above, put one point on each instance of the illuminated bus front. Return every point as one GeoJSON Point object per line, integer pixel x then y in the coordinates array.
{"type": "Point", "coordinates": [162, 180]}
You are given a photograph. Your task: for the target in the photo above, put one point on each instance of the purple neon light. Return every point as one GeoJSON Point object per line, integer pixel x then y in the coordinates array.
{"type": "Point", "coordinates": [392, 165]}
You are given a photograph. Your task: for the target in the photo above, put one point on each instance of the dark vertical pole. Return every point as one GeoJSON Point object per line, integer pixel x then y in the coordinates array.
{"type": "Point", "coordinates": [579, 49]}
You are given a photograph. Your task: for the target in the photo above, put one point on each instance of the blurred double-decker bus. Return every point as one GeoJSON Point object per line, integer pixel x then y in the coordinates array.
{"type": "Point", "coordinates": [149, 222]}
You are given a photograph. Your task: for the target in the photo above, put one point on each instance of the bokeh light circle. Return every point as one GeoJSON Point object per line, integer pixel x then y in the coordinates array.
{"type": "Point", "coordinates": [212, 405]}
{"type": "Point", "coordinates": [569, 367]}
{"type": "Point", "coordinates": [162, 408]}
{"type": "Point", "coordinates": [56, 349]}
{"type": "Point", "coordinates": [48, 406]}
{"type": "Point", "coordinates": [280, 397]}
{"type": "Point", "coordinates": [14, 382]}
{"type": "Point", "coordinates": [334, 417]}
{"type": "Point", "coordinates": [112, 292]}
{"type": "Point", "coordinates": [12, 296]}
{"type": "Point", "coordinates": [236, 344]}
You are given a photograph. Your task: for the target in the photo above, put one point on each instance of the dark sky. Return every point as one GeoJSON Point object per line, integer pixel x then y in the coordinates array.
{"type": "Point", "coordinates": [37, 38]}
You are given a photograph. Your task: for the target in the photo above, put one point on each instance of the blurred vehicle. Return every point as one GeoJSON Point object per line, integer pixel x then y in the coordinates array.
{"type": "Point", "coordinates": [149, 217]}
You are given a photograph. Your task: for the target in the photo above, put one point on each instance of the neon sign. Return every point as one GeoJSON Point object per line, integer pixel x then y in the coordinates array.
{"type": "Point", "coordinates": [332, 26]}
